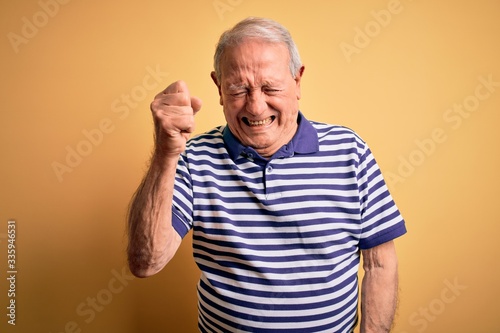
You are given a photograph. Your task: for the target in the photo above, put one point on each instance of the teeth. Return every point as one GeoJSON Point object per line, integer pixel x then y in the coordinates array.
{"type": "Point", "coordinates": [260, 122]}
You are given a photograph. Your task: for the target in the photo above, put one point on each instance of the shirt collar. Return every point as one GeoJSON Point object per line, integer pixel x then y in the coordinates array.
{"type": "Point", "coordinates": [305, 141]}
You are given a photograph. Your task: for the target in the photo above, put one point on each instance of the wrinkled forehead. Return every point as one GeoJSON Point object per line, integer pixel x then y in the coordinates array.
{"type": "Point", "coordinates": [255, 56]}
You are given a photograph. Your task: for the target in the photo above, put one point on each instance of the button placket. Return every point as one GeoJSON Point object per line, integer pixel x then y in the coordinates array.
{"type": "Point", "coordinates": [267, 178]}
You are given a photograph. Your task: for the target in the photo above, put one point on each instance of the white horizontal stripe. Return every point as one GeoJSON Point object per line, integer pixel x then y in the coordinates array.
{"type": "Point", "coordinates": [270, 218]}
{"type": "Point", "coordinates": [260, 243]}
{"type": "Point", "coordinates": [329, 231]}
{"type": "Point", "coordinates": [321, 205]}
{"type": "Point", "coordinates": [266, 265]}
{"type": "Point", "coordinates": [378, 229]}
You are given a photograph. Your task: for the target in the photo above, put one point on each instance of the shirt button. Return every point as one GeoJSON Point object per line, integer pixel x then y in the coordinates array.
{"type": "Point", "coordinates": [250, 155]}
{"type": "Point", "coordinates": [269, 169]}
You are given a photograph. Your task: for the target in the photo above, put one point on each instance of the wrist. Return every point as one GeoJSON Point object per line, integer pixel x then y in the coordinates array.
{"type": "Point", "coordinates": [163, 161]}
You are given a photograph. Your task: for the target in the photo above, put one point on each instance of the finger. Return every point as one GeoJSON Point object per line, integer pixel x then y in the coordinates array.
{"type": "Point", "coordinates": [173, 88]}
{"type": "Point", "coordinates": [174, 112]}
{"type": "Point", "coordinates": [176, 94]}
{"type": "Point", "coordinates": [196, 104]}
{"type": "Point", "coordinates": [177, 119]}
{"type": "Point", "coordinates": [176, 87]}
{"type": "Point", "coordinates": [173, 99]}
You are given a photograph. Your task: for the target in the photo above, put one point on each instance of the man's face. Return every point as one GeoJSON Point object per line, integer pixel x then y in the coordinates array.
{"type": "Point", "coordinates": [259, 95]}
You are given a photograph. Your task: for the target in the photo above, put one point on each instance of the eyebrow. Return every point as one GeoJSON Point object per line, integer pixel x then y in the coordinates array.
{"type": "Point", "coordinates": [237, 86]}
{"type": "Point", "coordinates": [241, 86]}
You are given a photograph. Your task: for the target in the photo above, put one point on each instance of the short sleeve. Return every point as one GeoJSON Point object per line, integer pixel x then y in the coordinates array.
{"type": "Point", "coordinates": [381, 220]}
{"type": "Point", "coordinates": [182, 204]}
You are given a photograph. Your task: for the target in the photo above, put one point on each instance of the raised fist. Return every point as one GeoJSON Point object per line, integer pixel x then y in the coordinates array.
{"type": "Point", "coordinates": [173, 114]}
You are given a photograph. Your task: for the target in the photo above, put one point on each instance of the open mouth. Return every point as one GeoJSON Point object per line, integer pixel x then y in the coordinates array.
{"type": "Point", "coordinates": [256, 123]}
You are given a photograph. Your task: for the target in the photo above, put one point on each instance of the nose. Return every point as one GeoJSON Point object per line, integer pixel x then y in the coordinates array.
{"type": "Point", "coordinates": [256, 102]}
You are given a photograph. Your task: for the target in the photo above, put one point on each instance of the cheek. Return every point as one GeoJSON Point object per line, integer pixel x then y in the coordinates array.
{"type": "Point", "coordinates": [234, 107]}
{"type": "Point", "coordinates": [230, 112]}
{"type": "Point", "coordinates": [287, 107]}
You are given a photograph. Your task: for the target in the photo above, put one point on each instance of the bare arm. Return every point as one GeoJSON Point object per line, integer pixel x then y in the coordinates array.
{"type": "Point", "coordinates": [379, 290]}
{"type": "Point", "coordinates": [152, 241]}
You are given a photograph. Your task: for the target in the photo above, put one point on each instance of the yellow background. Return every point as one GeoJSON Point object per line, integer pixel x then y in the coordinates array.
{"type": "Point", "coordinates": [395, 86]}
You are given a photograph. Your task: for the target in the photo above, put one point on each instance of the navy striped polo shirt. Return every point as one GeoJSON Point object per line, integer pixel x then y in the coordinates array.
{"type": "Point", "coordinates": [278, 240]}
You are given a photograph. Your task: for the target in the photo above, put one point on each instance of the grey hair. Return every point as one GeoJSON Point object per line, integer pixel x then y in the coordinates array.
{"type": "Point", "coordinates": [258, 28]}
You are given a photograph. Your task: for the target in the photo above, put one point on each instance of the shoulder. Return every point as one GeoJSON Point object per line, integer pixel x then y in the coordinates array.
{"type": "Point", "coordinates": [214, 134]}
{"type": "Point", "coordinates": [207, 146]}
{"type": "Point", "coordinates": [333, 134]}
{"type": "Point", "coordinates": [210, 139]}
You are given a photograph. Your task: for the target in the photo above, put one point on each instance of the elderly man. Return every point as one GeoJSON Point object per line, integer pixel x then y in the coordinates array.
{"type": "Point", "coordinates": [281, 208]}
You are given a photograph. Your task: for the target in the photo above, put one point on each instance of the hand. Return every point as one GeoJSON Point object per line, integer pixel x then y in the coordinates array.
{"type": "Point", "coordinates": [173, 114]}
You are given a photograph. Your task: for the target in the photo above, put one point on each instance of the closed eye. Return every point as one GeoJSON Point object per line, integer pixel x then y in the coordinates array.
{"type": "Point", "coordinates": [271, 91]}
{"type": "Point", "coordinates": [239, 94]}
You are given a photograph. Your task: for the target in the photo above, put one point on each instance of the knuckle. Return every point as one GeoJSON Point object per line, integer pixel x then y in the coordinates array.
{"type": "Point", "coordinates": [154, 105]}
{"type": "Point", "coordinates": [180, 85]}
{"type": "Point", "coordinates": [180, 99]}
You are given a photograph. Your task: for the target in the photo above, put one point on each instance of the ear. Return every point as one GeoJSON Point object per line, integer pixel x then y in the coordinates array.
{"type": "Point", "coordinates": [297, 79]}
{"type": "Point", "coordinates": [214, 78]}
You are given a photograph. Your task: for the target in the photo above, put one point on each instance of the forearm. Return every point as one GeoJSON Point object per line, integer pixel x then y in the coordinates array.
{"type": "Point", "coordinates": [379, 294]}
{"type": "Point", "coordinates": [152, 241]}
